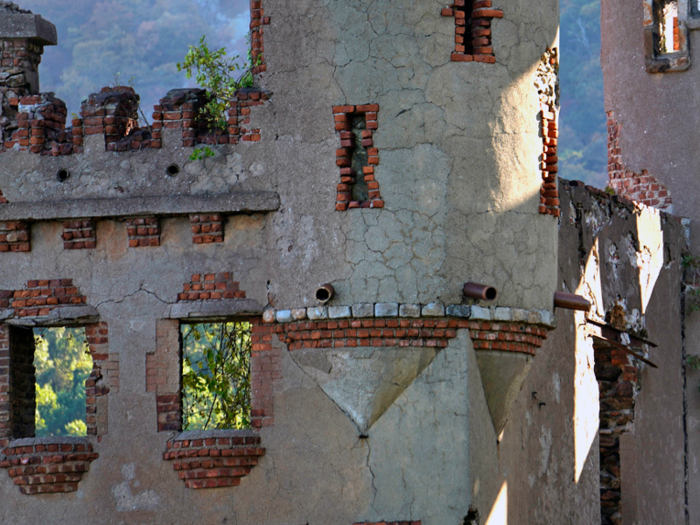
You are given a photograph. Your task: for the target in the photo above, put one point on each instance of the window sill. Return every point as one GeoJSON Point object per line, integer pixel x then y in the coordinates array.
{"type": "Point", "coordinates": [47, 465]}
{"type": "Point", "coordinates": [214, 458]}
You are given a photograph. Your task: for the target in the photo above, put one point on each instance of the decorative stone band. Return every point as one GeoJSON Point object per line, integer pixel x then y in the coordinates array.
{"type": "Point", "coordinates": [43, 467]}
{"type": "Point", "coordinates": [221, 460]}
{"type": "Point", "coordinates": [544, 318]}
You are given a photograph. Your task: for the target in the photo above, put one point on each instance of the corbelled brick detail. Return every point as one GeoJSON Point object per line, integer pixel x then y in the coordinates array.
{"type": "Point", "coordinates": [40, 297]}
{"type": "Point", "coordinates": [211, 286]}
{"type": "Point", "coordinates": [425, 332]}
{"type": "Point", "coordinates": [473, 30]}
{"type": "Point", "coordinates": [207, 229]}
{"type": "Point", "coordinates": [79, 235]}
{"type": "Point", "coordinates": [639, 187]}
{"type": "Point", "coordinates": [510, 337]}
{"type": "Point", "coordinates": [618, 381]}
{"type": "Point", "coordinates": [143, 231]}
{"type": "Point", "coordinates": [47, 468]}
{"type": "Point", "coordinates": [214, 462]}
{"type": "Point", "coordinates": [357, 157]}
{"type": "Point", "coordinates": [15, 236]}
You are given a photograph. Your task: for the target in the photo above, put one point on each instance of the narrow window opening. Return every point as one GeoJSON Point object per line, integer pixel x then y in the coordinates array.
{"type": "Point", "coordinates": [464, 28]}
{"type": "Point", "coordinates": [216, 392]}
{"type": "Point", "coordinates": [360, 158]}
{"type": "Point", "coordinates": [667, 34]}
{"type": "Point", "coordinates": [49, 369]}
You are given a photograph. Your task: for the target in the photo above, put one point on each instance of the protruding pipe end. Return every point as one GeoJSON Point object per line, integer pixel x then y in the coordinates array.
{"type": "Point", "coordinates": [571, 301]}
{"type": "Point", "coordinates": [325, 293]}
{"type": "Point", "coordinates": [480, 291]}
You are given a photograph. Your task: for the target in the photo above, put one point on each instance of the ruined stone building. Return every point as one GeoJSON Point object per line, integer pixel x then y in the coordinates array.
{"type": "Point", "coordinates": [389, 154]}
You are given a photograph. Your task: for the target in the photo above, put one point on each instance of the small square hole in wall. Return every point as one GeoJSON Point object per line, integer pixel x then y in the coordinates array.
{"type": "Point", "coordinates": [216, 391]}
{"type": "Point", "coordinates": [49, 370]}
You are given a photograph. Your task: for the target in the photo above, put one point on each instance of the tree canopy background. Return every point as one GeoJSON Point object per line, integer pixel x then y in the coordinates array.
{"type": "Point", "coordinates": [145, 39]}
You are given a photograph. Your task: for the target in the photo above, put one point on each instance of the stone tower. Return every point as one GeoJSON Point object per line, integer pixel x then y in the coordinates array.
{"type": "Point", "coordinates": [388, 154]}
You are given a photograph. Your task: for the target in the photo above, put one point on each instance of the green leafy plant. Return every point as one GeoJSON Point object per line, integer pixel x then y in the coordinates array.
{"type": "Point", "coordinates": [202, 153]}
{"type": "Point", "coordinates": [216, 376]}
{"type": "Point", "coordinates": [216, 73]}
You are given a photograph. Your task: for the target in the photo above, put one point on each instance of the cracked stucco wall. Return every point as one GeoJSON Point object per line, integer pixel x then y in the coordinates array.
{"type": "Point", "coordinates": [459, 175]}
{"type": "Point", "coordinates": [548, 455]}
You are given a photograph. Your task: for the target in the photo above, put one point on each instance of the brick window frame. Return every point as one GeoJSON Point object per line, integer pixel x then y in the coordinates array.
{"type": "Point", "coordinates": [473, 39]}
{"type": "Point", "coordinates": [214, 458]}
{"type": "Point", "coordinates": [656, 60]}
{"type": "Point", "coordinates": [357, 157]}
{"type": "Point", "coordinates": [51, 464]}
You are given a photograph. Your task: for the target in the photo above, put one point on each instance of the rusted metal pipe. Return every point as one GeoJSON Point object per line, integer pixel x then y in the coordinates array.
{"type": "Point", "coordinates": [325, 293]}
{"type": "Point", "coordinates": [571, 301]}
{"type": "Point", "coordinates": [480, 291]}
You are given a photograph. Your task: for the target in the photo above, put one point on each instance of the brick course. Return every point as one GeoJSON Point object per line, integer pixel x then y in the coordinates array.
{"type": "Point", "coordinates": [207, 229]}
{"type": "Point", "coordinates": [79, 235]}
{"type": "Point", "coordinates": [211, 286]}
{"type": "Point", "coordinates": [15, 236]}
{"type": "Point", "coordinates": [638, 187]}
{"type": "Point", "coordinates": [214, 462]}
{"type": "Point", "coordinates": [143, 232]}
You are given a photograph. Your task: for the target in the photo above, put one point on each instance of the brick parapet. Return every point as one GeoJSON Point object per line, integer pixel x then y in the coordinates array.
{"type": "Point", "coordinates": [473, 37]}
{"type": "Point", "coordinates": [639, 187]}
{"type": "Point", "coordinates": [214, 462]}
{"type": "Point", "coordinates": [47, 468]}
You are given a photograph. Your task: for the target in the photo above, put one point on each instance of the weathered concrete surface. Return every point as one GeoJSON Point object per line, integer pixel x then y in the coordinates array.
{"type": "Point", "coordinates": [19, 24]}
{"type": "Point", "coordinates": [547, 461]}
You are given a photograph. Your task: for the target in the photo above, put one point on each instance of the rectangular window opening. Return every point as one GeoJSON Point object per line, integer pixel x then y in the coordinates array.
{"type": "Point", "coordinates": [216, 392]}
{"type": "Point", "coordinates": [667, 34]}
{"type": "Point", "coordinates": [49, 370]}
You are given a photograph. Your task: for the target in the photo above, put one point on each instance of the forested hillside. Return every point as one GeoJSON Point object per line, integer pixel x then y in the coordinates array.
{"type": "Point", "coordinates": [583, 136]}
{"type": "Point", "coordinates": [145, 39]}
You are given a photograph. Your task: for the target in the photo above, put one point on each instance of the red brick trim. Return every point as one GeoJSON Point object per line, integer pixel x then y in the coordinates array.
{"type": "Point", "coordinates": [239, 123]}
{"type": "Point", "coordinates": [79, 235]}
{"type": "Point", "coordinates": [425, 332]}
{"type": "Point", "coordinates": [473, 30]}
{"type": "Point", "coordinates": [357, 157]}
{"type": "Point", "coordinates": [15, 236]}
{"type": "Point", "coordinates": [47, 468]}
{"type": "Point", "coordinates": [211, 286]}
{"type": "Point", "coordinates": [214, 462]}
{"type": "Point", "coordinates": [642, 188]}
{"type": "Point", "coordinates": [143, 232]}
{"type": "Point", "coordinates": [207, 229]}
{"type": "Point", "coordinates": [40, 297]}
{"type": "Point", "coordinates": [549, 165]}
{"type": "Point", "coordinates": [103, 379]}
{"type": "Point", "coordinates": [257, 34]}
{"type": "Point", "coordinates": [511, 337]}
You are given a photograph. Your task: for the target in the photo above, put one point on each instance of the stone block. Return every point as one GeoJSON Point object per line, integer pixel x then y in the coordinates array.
{"type": "Point", "coordinates": [386, 309]}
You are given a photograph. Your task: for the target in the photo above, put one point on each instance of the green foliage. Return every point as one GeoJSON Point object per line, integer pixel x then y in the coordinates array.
{"type": "Point", "coordinates": [144, 37]}
{"type": "Point", "coordinates": [202, 153]}
{"type": "Point", "coordinates": [63, 364]}
{"type": "Point", "coordinates": [216, 376]}
{"type": "Point", "coordinates": [691, 275]}
{"type": "Point", "coordinates": [217, 74]}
